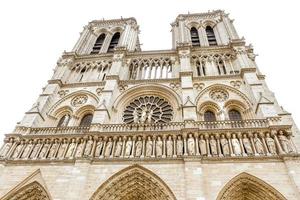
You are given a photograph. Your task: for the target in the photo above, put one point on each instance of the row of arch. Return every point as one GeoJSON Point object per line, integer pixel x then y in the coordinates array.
{"type": "Point", "coordinates": [132, 183]}
{"type": "Point", "coordinates": [100, 41]}
{"type": "Point", "coordinates": [211, 37]}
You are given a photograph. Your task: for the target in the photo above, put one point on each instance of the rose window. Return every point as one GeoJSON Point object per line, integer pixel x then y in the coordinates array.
{"type": "Point", "coordinates": [148, 109]}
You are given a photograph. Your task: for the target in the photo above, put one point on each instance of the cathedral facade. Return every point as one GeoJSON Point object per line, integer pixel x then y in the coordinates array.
{"type": "Point", "coordinates": [196, 122]}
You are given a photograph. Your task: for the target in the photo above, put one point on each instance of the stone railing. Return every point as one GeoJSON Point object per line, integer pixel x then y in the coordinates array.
{"type": "Point", "coordinates": [149, 145]}
{"type": "Point", "coordinates": [51, 130]}
{"type": "Point", "coordinates": [172, 126]}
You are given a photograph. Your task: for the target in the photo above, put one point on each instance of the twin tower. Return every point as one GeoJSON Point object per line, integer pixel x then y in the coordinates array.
{"type": "Point", "coordinates": [196, 122]}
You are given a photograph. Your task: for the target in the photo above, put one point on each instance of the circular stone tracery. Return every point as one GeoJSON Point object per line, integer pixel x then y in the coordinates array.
{"type": "Point", "coordinates": [148, 109]}
{"type": "Point", "coordinates": [219, 95]}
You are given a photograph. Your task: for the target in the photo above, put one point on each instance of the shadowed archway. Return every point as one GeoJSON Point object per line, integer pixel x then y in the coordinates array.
{"type": "Point", "coordinates": [134, 183]}
{"type": "Point", "coordinates": [247, 187]}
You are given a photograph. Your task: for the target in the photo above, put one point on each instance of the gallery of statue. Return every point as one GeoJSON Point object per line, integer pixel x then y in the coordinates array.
{"type": "Point", "coordinates": [196, 122]}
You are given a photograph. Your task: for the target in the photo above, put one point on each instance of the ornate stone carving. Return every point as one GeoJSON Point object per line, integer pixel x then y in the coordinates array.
{"type": "Point", "coordinates": [62, 149]}
{"type": "Point", "coordinates": [285, 143]}
{"type": "Point", "coordinates": [43, 153]}
{"type": "Point", "coordinates": [159, 147]}
{"type": "Point", "coordinates": [138, 147]}
{"type": "Point", "coordinates": [169, 146]}
{"type": "Point", "coordinates": [118, 147]}
{"type": "Point", "coordinates": [213, 146]}
{"type": "Point", "coordinates": [5, 149]}
{"type": "Point", "coordinates": [202, 146]}
{"type": "Point", "coordinates": [53, 149]}
{"type": "Point", "coordinates": [258, 145]}
{"type": "Point", "coordinates": [88, 147]}
{"type": "Point", "coordinates": [236, 84]}
{"type": "Point", "coordinates": [225, 145]}
{"type": "Point", "coordinates": [175, 85]}
{"type": "Point", "coordinates": [199, 86]}
{"type": "Point", "coordinates": [128, 147]}
{"type": "Point", "coordinates": [219, 95]}
{"type": "Point", "coordinates": [149, 146]}
{"type": "Point", "coordinates": [236, 146]}
{"type": "Point", "coordinates": [99, 147]}
{"type": "Point", "coordinates": [71, 149]}
{"type": "Point", "coordinates": [148, 109]}
{"type": "Point", "coordinates": [247, 145]}
{"type": "Point", "coordinates": [191, 144]}
{"type": "Point", "coordinates": [63, 93]}
{"type": "Point", "coordinates": [108, 149]}
{"type": "Point", "coordinates": [179, 146]}
{"type": "Point", "coordinates": [79, 100]}
{"type": "Point", "coordinates": [271, 144]}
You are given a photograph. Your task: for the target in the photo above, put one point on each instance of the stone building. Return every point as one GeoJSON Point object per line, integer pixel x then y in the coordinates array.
{"type": "Point", "coordinates": [196, 122]}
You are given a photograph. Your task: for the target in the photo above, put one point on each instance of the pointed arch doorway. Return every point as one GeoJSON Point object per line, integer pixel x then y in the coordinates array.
{"type": "Point", "coordinates": [134, 183]}
{"type": "Point", "coordinates": [247, 187]}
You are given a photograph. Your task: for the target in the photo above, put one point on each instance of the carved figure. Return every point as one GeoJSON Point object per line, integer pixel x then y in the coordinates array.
{"type": "Point", "coordinates": [271, 144]}
{"type": "Point", "coordinates": [88, 147]}
{"type": "Point", "coordinates": [179, 146]}
{"type": "Point", "coordinates": [53, 149]}
{"type": "Point", "coordinates": [44, 150]}
{"type": "Point", "coordinates": [108, 148]}
{"type": "Point", "coordinates": [128, 147]}
{"type": "Point", "coordinates": [135, 116]}
{"type": "Point", "coordinates": [159, 147]}
{"type": "Point", "coordinates": [79, 149]}
{"type": "Point", "coordinates": [27, 150]}
{"type": "Point", "coordinates": [71, 149]}
{"type": "Point", "coordinates": [258, 144]}
{"type": "Point", "coordinates": [99, 147]}
{"type": "Point", "coordinates": [247, 145]}
{"type": "Point", "coordinates": [66, 120]}
{"type": "Point", "coordinates": [285, 143]}
{"type": "Point", "coordinates": [202, 145]}
{"type": "Point", "coordinates": [149, 117]}
{"type": "Point", "coordinates": [144, 115]}
{"type": "Point", "coordinates": [5, 149]}
{"type": "Point", "coordinates": [225, 145]}
{"type": "Point", "coordinates": [118, 147]}
{"type": "Point", "coordinates": [213, 146]}
{"type": "Point", "coordinates": [62, 148]}
{"type": "Point", "coordinates": [169, 146]}
{"type": "Point", "coordinates": [35, 150]}
{"type": "Point", "coordinates": [236, 145]}
{"type": "Point", "coordinates": [138, 147]}
{"type": "Point", "coordinates": [149, 146]}
{"type": "Point", "coordinates": [191, 145]}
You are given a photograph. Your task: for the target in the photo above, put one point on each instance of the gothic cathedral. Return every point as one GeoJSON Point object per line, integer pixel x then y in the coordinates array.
{"type": "Point", "coordinates": [196, 122]}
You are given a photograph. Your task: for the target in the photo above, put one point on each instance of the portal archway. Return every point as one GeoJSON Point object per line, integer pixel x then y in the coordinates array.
{"type": "Point", "coordinates": [134, 183]}
{"type": "Point", "coordinates": [248, 187]}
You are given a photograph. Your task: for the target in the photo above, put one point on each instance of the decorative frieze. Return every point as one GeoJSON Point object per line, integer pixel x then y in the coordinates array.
{"type": "Point", "coordinates": [151, 145]}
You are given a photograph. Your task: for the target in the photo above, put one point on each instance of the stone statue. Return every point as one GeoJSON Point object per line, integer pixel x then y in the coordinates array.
{"type": "Point", "coordinates": [71, 149]}
{"type": "Point", "coordinates": [5, 149]}
{"type": "Point", "coordinates": [99, 147]}
{"type": "Point", "coordinates": [35, 150]}
{"type": "Point", "coordinates": [271, 144]}
{"type": "Point", "coordinates": [179, 146]}
{"type": "Point", "coordinates": [213, 146]}
{"type": "Point", "coordinates": [53, 149]}
{"type": "Point", "coordinates": [128, 147]}
{"type": "Point", "coordinates": [108, 148]}
{"type": "Point", "coordinates": [236, 145]}
{"type": "Point", "coordinates": [79, 149]}
{"type": "Point", "coordinates": [285, 143]}
{"type": "Point", "coordinates": [159, 147]}
{"type": "Point", "coordinates": [88, 147]}
{"type": "Point", "coordinates": [144, 115]}
{"type": "Point", "coordinates": [258, 144]}
{"type": "Point", "coordinates": [138, 147]}
{"type": "Point", "coordinates": [225, 145]}
{"type": "Point", "coordinates": [118, 147]}
{"type": "Point", "coordinates": [66, 120]}
{"type": "Point", "coordinates": [169, 146]}
{"type": "Point", "coordinates": [62, 148]}
{"type": "Point", "coordinates": [44, 150]}
{"type": "Point", "coordinates": [18, 150]}
{"type": "Point", "coordinates": [135, 117]}
{"type": "Point", "coordinates": [202, 145]}
{"type": "Point", "coordinates": [149, 117]}
{"type": "Point", "coordinates": [149, 146]}
{"type": "Point", "coordinates": [191, 145]}
{"type": "Point", "coordinates": [247, 145]}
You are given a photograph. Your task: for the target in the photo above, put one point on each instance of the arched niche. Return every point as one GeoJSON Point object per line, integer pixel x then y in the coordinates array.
{"type": "Point", "coordinates": [232, 98]}
{"type": "Point", "coordinates": [134, 183]}
{"type": "Point", "coordinates": [131, 94]}
{"type": "Point", "coordinates": [33, 187]}
{"type": "Point", "coordinates": [246, 186]}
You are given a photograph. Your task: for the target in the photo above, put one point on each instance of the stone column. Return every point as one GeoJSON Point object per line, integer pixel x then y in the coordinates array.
{"type": "Point", "coordinates": [164, 146]}
{"type": "Point", "coordinates": [144, 146]}
{"type": "Point", "coordinates": [274, 134]}
{"type": "Point", "coordinates": [219, 146]}
{"type": "Point", "coordinates": [185, 153]}
{"type": "Point", "coordinates": [104, 146]}
{"type": "Point", "coordinates": [228, 136]}
{"type": "Point", "coordinates": [239, 136]}
{"type": "Point", "coordinates": [115, 139]}
{"type": "Point", "coordinates": [134, 138]}
{"type": "Point", "coordinates": [153, 147]}
{"type": "Point", "coordinates": [250, 135]}
{"type": "Point", "coordinates": [174, 137]}
{"type": "Point", "coordinates": [262, 135]}
{"type": "Point", "coordinates": [197, 144]}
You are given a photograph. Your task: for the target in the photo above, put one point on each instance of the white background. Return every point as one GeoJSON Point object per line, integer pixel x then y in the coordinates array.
{"type": "Point", "coordinates": [35, 33]}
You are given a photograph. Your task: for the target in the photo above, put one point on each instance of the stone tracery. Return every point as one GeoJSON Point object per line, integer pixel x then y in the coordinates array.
{"type": "Point", "coordinates": [131, 184]}
{"type": "Point", "coordinates": [148, 109]}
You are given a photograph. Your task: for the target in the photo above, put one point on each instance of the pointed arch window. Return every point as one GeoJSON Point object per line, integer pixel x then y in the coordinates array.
{"type": "Point", "coordinates": [234, 115]}
{"type": "Point", "coordinates": [98, 44]}
{"type": "Point", "coordinates": [195, 37]}
{"type": "Point", "coordinates": [64, 121]}
{"type": "Point", "coordinates": [209, 116]}
{"type": "Point", "coordinates": [211, 36]}
{"type": "Point", "coordinates": [114, 42]}
{"type": "Point", "coordinates": [86, 120]}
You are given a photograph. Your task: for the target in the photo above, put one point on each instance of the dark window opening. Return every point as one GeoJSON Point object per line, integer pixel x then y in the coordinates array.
{"type": "Point", "coordinates": [211, 36]}
{"type": "Point", "coordinates": [195, 37]}
{"type": "Point", "coordinates": [114, 42]}
{"type": "Point", "coordinates": [98, 44]}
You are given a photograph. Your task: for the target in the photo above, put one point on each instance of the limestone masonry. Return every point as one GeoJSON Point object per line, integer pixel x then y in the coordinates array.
{"type": "Point", "coordinates": [196, 122]}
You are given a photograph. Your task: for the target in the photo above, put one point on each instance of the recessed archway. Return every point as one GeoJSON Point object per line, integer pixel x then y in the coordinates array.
{"type": "Point", "coordinates": [133, 183]}
{"type": "Point", "coordinates": [248, 187]}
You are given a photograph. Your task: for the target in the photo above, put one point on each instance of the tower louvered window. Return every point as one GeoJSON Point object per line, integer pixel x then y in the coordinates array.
{"type": "Point", "coordinates": [98, 44]}
{"type": "Point", "coordinates": [114, 42]}
{"type": "Point", "coordinates": [211, 36]}
{"type": "Point", "coordinates": [195, 37]}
